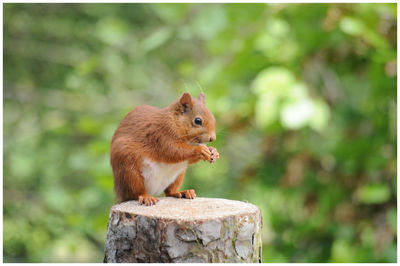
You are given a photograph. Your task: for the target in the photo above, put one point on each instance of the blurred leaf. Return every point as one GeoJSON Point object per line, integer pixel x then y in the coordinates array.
{"type": "Point", "coordinates": [392, 219]}
{"type": "Point", "coordinates": [342, 252]}
{"type": "Point", "coordinates": [373, 193]}
{"type": "Point", "coordinates": [111, 30]}
{"type": "Point", "coordinates": [156, 39]}
{"type": "Point", "coordinates": [320, 116]}
{"type": "Point", "coordinates": [295, 116]}
{"type": "Point", "coordinates": [172, 13]}
{"type": "Point", "coordinates": [213, 15]}
{"type": "Point", "coordinates": [352, 26]}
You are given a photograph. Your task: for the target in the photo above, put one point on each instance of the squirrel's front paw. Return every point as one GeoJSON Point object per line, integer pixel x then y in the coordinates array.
{"type": "Point", "coordinates": [205, 152]}
{"type": "Point", "coordinates": [147, 200]}
{"type": "Point", "coordinates": [214, 154]}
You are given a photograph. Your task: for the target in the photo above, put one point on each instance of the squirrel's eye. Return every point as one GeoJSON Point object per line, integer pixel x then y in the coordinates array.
{"type": "Point", "coordinates": [198, 121]}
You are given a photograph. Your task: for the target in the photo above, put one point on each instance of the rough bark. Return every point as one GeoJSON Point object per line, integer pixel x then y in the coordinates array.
{"type": "Point", "coordinates": [182, 230]}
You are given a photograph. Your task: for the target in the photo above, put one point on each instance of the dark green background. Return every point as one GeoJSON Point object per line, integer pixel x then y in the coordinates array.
{"type": "Point", "coordinates": [305, 101]}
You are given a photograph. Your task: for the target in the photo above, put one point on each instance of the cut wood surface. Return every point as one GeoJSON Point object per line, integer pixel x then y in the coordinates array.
{"type": "Point", "coordinates": [183, 230]}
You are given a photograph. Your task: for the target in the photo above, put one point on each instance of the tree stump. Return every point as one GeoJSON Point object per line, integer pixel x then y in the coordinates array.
{"type": "Point", "coordinates": [184, 230]}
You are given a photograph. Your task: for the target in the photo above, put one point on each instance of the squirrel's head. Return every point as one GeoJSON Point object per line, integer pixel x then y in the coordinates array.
{"type": "Point", "coordinates": [195, 123]}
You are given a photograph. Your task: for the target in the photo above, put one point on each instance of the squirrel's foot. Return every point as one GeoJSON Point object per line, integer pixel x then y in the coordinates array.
{"type": "Point", "coordinates": [187, 194]}
{"type": "Point", "coordinates": [214, 154]}
{"type": "Point", "coordinates": [147, 200]}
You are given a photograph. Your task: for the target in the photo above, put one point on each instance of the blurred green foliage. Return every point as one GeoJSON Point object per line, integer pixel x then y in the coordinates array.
{"type": "Point", "coordinates": [305, 101]}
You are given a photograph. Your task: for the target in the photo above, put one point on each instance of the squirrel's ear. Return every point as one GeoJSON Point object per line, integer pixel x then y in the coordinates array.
{"type": "Point", "coordinates": [202, 98]}
{"type": "Point", "coordinates": [186, 101]}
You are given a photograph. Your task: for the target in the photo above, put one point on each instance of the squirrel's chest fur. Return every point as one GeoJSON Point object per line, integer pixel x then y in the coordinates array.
{"type": "Point", "coordinates": [158, 176]}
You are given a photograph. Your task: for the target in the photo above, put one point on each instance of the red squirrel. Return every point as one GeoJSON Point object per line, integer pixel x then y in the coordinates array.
{"type": "Point", "coordinates": [152, 147]}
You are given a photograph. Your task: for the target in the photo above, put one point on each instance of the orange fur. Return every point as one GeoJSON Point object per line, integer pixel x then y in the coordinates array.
{"type": "Point", "coordinates": [167, 135]}
{"type": "Point", "coordinates": [173, 189]}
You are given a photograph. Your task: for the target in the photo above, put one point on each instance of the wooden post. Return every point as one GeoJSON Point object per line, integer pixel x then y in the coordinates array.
{"type": "Point", "coordinates": [183, 230]}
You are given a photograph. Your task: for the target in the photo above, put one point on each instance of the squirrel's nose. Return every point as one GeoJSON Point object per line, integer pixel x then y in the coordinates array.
{"type": "Point", "coordinates": [212, 138]}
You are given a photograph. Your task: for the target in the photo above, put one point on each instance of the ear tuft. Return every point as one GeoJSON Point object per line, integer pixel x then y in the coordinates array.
{"type": "Point", "coordinates": [186, 101]}
{"type": "Point", "coordinates": [202, 98]}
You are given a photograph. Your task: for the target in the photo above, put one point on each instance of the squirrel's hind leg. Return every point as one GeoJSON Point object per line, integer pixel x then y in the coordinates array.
{"type": "Point", "coordinates": [134, 189]}
{"type": "Point", "coordinates": [173, 189]}
{"type": "Point", "coordinates": [140, 192]}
